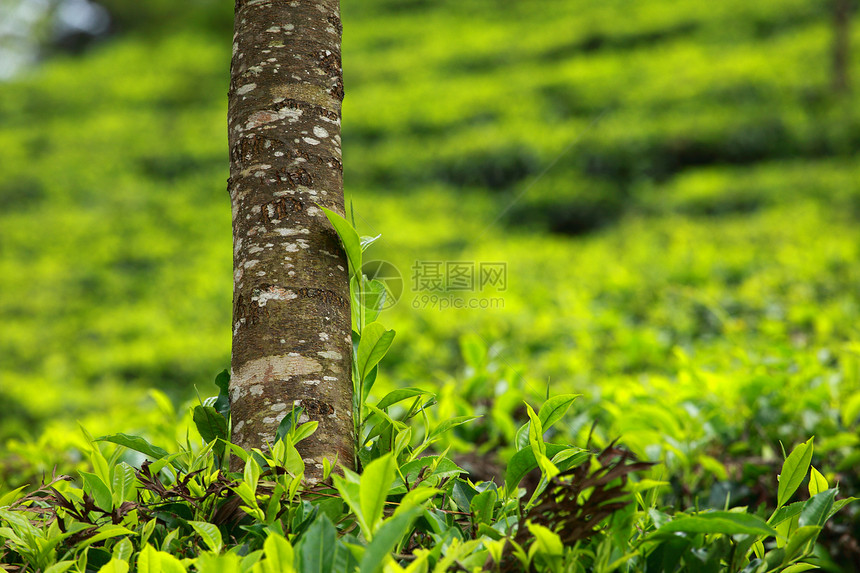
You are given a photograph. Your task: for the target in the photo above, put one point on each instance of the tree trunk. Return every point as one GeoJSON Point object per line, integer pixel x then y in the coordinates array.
{"type": "Point", "coordinates": [291, 318]}
{"type": "Point", "coordinates": [841, 44]}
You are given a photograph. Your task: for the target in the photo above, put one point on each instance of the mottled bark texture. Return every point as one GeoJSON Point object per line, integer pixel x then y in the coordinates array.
{"type": "Point", "coordinates": [291, 320]}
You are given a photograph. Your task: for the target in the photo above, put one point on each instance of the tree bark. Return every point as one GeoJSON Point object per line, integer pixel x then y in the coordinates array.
{"type": "Point", "coordinates": [292, 340]}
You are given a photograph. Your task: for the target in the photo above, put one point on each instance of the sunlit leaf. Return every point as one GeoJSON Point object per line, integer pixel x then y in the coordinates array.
{"type": "Point", "coordinates": [101, 493]}
{"type": "Point", "coordinates": [375, 481]}
{"type": "Point", "coordinates": [725, 522]}
{"type": "Point", "coordinates": [279, 554]}
{"type": "Point", "coordinates": [209, 533]}
{"type": "Point", "coordinates": [374, 343]}
{"type": "Point", "coordinates": [554, 409]}
{"type": "Point", "coordinates": [817, 482]}
{"type": "Point", "coordinates": [348, 237]}
{"type": "Point", "coordinates": [793, 471]}
{"type": "Point", "coordinates": [398, 395]}
{"type": "Point", "coordinates": [391, 533]}
{"type": "Point", "coordinates": [135, 443]}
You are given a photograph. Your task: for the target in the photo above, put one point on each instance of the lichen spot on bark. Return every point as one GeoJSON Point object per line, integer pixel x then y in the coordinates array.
{"type": "Point", "coordinates": [331, 355]}
{"type": "Point", "coordinates": [278, 367]}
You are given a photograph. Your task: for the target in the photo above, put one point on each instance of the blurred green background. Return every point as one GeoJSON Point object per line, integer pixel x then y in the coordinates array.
{"type": "Point", "coordinates": [672, 185]}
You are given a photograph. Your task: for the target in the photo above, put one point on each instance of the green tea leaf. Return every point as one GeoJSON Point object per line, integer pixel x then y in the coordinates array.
{"type": "Point", "coordinates": [279, 554]}
{"type": "Point", "coordinates": [840, 503]}
{"type": "Point", "coordinates": [123, 549]}
{"type": "Point", "coordinates": [438, 467]}
{"type": "Point", "coordinates": [793, 471]}
{"type": "Point", "coordinates": [106, 532]}
{"type": "Point", "coordinates": [482, 506]}
{"type": "Point", "coordinates": [210, 423]}
{"type": "Point", "coordinates": [546, 541]}
{"type": "Point", "coordinates": [817, 482]}
{"type": "Point", "coordinates": [113, 566]}
{"type": "Point", "coordinates": [783, 513]}
{"type": "Point", "coordinates": [316, 549]}
{"type": "Point", "coordinates": [366, 241]}
{"type": "Point", "coordinates": [463, 493]}
{"type": "Point", "coordinates": [389, 535]}
{"type": "Point", "coordinates": [208, 562]}
{"type": "Point", "coordinates": [222, 403]}
{"type": "Point", "coordinates": [349, 487]}
{"type": "Point", "coordinates": [398, 395]}
{"type": "Point", "coordinates": [817, 508]}
{"type": "Point", "coordinates": [447, 425]}
{"type": "Point", "coordinates": [135, 443]}
{"type": "Point", "coordinates": [305, 430]}
{"type": "Point", "coordinates": [796, 545]}
{"type": "Point", "coordinates": [375, 298]}
{"type": "Point", "coordinates": [9, 497]}
{"type": "Point", "coordinates": [524, 461]}
{"type": "Point", "coordinates": [251, 473]}
{"type": "Point", "coordinates": [63, 566]}
{"type": "Point", "coordinates": [374, 343]}
{"type": "Point", "coordinates": [124, 484]}
{"type": "Point", "coordinates": [94, 486]}
{"type": "Point", "coordinates": [416, 498]}
{"type": "Point", "coordinates": [289, 422]}
{"type": "Point", "coordinates": [522, 437]}
{"type": "Point", "coordinates": [209, 533]}
{"type": "Point", "coordinates": [375, 482]}
{"type": "Point", "coordinates": [148, 560]}
{"type": "Point", "coordinates": [536, 433]}
{"type": "Point", "coordinates": [348, 237]}
{"type": "Point", "coordinates": [799, 568]}
{"type": "Point", "coordinates": [555, 408]}
{"type": "Point", "coordinates": [725, 522]}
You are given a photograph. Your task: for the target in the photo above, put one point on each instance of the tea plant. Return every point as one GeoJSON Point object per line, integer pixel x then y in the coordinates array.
{"type": "Point", "coordinates": [408, 509]}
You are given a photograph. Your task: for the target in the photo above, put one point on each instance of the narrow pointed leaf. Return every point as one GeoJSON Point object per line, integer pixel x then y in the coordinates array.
{"type": "Point", "coordinates": [374, 343]}
{"type": "Point", "coordinates": [317, 547]}
{"type": "Point", "coordinates": [725, 522]}
{"type": "Point", "coordinates": [392, 532]}
{"type": "Point", "coordinates": [94, 486]}
{"type": "Point", "coordinates": [349, 238]}
{"type": "Point", "coordinates": [210, 423]}
{"type": "Point", "coordinates": [123, 483]}
{"type": "Point", "coordinates": [817, 482]}
{"type": "Point", "coordinates": [135, 443]}
{"type": "Point", "coordinates": [398, 395]}
{"type": "Point", "coordinates": [817, 508]}
{"type": "Point", "coordinates": [555, 408]}
{"type": "Point", "coordinates": [279, 555]}
{"type": "Point", "coordinates": [209, 533]}
{"type": "Point", "coordinates": [222, 403]}
{"type": "Point", "coordinates": [793, 471]}
{"type": "Point", "coordinates": [375, 482]}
